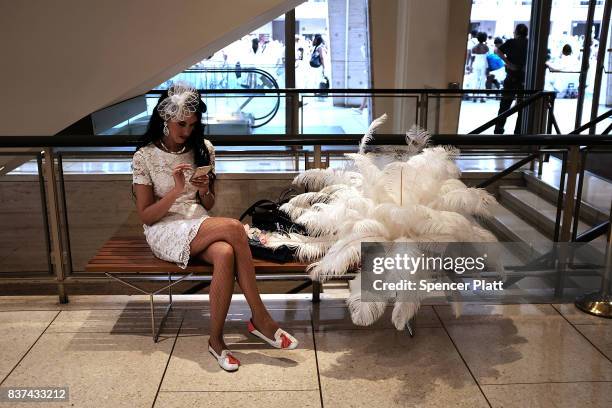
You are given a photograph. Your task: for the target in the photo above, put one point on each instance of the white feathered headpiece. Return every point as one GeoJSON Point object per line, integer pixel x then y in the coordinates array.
{"type": "Point", "coordinates": [181, 102]}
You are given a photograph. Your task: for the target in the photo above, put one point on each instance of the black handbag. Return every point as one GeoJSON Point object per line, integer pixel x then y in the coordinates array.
{"type": "Point", "coordinates": [323, 86]}
{"type": "Point", "coordinates": [315, 58]}
{"type": "Point", "coordinates": [266, 216]}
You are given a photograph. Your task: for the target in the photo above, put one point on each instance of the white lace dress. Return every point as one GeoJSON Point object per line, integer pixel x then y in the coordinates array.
{"type": "Point", "coordinates": [169, 238]}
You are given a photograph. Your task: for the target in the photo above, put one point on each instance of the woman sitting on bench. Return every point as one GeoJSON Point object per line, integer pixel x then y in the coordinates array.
{"type": "Point", "coordinates": [173, 208]}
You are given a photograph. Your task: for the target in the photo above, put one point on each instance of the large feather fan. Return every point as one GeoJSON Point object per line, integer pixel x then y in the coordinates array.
{"type": "Point", "coordinates": [399, 193]}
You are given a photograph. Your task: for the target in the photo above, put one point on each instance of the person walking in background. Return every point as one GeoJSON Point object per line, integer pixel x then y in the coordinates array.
{"type": "Point", "coordinates": [566, 70]}
{"type": "Point", "coordinates": [471, 43]}
{"type": "Point", "coordinates": [479, 63]}
{"type": "Point", "coordinates": [514, 54]}
{"type": "Point", "coordinates": [253, 60]}
{"type": "Point", "coordinates": [469, 76]}
{"type": "Point", "coordinates": [319, 61]}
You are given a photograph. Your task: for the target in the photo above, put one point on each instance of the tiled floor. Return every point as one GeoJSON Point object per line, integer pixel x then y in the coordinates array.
{"type": "Point", "coordinates": [491, 356]}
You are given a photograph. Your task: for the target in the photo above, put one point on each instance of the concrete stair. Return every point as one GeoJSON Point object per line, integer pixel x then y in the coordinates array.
{"type": "Point", "coordinates": [526, 215]}
{"type": "Point", "coordinates": [510, 227]}
{"type": "Point", "coordinates": [588, 213]}
{"type": "Point", "coordinates": [533, 208]}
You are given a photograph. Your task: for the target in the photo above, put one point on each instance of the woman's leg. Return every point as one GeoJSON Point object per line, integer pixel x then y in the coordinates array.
{"type": "Point", "coordinates": [221, 255]}
{"type": "Point", "coordinates": [232, 231]}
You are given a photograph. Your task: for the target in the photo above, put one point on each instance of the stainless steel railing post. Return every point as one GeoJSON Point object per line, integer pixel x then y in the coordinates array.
{"type": "Point", "coordinates": [569, 202]}
{"type": "Point", "coordinates": [53, 208]}
{"type": "Point", "coordinates": [600, 303]}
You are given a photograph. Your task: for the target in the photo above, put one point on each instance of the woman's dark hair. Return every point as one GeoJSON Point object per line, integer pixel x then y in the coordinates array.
{"type": "Point", "coordinates": [155, 131]}
{"type": "Point", "coordinates": [498, 40]}
{"type": "Point", "coordinates": [318, 40]}
{"type": "Point", "coordinates": [482, 37]}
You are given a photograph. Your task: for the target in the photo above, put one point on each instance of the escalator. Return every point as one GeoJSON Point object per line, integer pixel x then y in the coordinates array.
{"type": "Point", "coordinates": [227, 113]}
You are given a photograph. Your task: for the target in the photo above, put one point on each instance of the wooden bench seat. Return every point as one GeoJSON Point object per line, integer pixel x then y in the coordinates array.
{"type": "Point", "coordinates": [123, 255]}
{"type": "Point", "coordinates": [132, 254]}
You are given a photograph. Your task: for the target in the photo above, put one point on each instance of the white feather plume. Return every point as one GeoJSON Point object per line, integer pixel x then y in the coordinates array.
{"type": "Point", "coordinates": [363, 313]}
{"type": "Point", "coordinates": [402, 313]}
{"type": "Point", "coordinates": [316, 179]}
{"type": "Point", "coordinates": [343, 256]}
{"type": "Point", "coordinates": [370, 132]}
{"type": "Point", "coordinates": [411, 193]}
{"type": "Point", "coordinates": [416, 139]}
{"type": "Point", "coordinates": [307, 248]}
{"type": "Point", "coordinates": [308, 199]}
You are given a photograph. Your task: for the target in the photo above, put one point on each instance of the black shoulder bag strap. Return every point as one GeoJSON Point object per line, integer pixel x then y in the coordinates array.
{"type": "Point", "coordinates": [249, 211]}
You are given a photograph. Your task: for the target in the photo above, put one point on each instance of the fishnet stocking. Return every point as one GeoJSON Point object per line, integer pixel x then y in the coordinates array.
{"type": "Point", "coordinates": [211, 243]}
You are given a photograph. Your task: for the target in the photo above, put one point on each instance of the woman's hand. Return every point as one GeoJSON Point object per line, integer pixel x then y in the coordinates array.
{"type": "Point", "coordinates": [202, 183]}
{"type": "Point", "coordinates": [179, 177]}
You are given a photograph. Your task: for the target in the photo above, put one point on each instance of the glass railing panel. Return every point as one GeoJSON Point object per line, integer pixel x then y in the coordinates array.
{"type": "Point", "coordinates": [99, 202]}
{"type": "Point", "coordinates": [23, 236]}
{"type": "Point", "coordinates": [245, 113]}
{"type": "Point", "coordinates": [328, 113]}
{"type": "Point", "coordinates": [336, 113]}
{"type": "Point", "coordinates": [565, 85]}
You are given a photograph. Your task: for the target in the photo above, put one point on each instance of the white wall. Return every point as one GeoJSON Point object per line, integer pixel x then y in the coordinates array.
{"type": "Point", "coordinates": [63, 59]}
{"type": "Point", "coordinates": [417, 44]}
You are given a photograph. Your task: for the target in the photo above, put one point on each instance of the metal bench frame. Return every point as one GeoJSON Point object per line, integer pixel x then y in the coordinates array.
{"type": "Point", "coordinates": [121, 278]}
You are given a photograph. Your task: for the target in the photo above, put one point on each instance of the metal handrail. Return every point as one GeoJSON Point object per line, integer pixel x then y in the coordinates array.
{"type": "Point", "coordinates": [371, 91]}
{"type": "Point", "coordinates": [508, 112]}
{"type": "Point", "coordinates": [305, 139]}
{"type": "Point", "coordinates": [295, 97]}
{"type": "Point", "coordinates": [508, 170]}
{"type": "Point", "coordinates": [592, 123]}
{"type": "Point", "coordinates": [555, 71]}
{"type": "Point", "coordinates": [592, 233]}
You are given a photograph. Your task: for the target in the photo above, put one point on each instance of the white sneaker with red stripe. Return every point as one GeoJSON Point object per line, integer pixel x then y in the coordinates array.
{"type": "Point", "coordinates": [282, 339]}
{"type": "Point", "coordinates": [226, 360]}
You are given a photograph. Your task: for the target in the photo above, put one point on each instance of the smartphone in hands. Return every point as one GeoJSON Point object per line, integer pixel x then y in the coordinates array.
{"type": "Point", "coordinates": [201, 171]}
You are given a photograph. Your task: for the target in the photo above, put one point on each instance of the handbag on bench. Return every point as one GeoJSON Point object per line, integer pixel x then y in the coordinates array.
{"type": "Point", "coordinates": [267, 216]}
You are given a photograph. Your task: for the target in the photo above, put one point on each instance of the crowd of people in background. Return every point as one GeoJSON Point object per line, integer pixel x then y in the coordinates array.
{"type": "Point", "coordinates": [485, 69]}
{"type": "Point", "coordinates": [499, 63]}
{"type": "Point", "coordinates": [229, 67]}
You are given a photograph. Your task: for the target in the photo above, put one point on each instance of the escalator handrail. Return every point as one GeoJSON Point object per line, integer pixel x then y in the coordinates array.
{"type": "Point", "coordinates": [270, 115]}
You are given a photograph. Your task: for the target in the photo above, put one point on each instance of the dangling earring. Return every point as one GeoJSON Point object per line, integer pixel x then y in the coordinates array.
{"type": "Point", "coordinates": [166, 130]}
